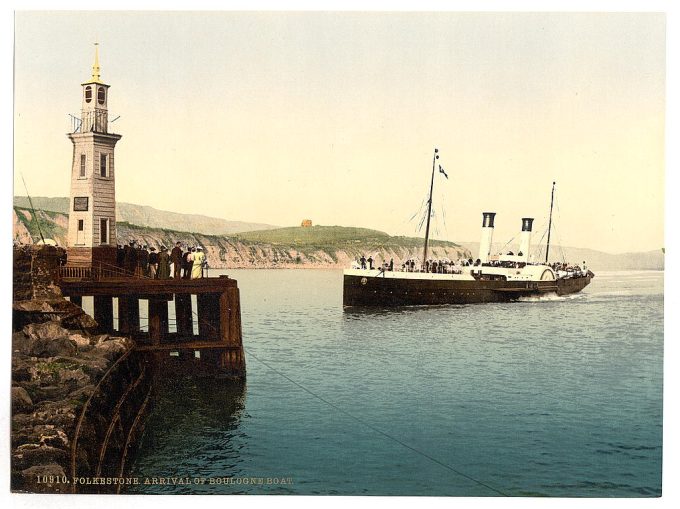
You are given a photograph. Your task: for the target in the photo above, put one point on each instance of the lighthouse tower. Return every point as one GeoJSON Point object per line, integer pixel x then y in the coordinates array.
{"type": "Point", "coordinates": [92, 214]}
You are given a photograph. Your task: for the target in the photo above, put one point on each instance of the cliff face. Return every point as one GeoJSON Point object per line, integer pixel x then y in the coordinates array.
{"type": "Point", "coordinates": [231, 252]}
{"type": "Point", "coordinates": [251, 251]}
{"type": "Point", "coordinates": [144, 215]}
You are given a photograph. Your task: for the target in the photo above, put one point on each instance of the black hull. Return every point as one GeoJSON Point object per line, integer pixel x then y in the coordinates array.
{"type": "Point", "coordinates": [391, 292]}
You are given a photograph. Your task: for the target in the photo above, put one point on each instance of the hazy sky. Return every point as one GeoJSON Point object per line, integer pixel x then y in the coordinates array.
{"type": "Point", "coordinates": [277, 117]}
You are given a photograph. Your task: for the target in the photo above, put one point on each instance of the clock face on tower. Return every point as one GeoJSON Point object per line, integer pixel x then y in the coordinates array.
{"type": "Point", "coordinates": [101, 95]}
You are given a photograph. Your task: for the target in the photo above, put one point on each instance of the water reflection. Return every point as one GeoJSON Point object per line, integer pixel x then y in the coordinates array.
{"type": "Point", "coordinates": [195, 419]}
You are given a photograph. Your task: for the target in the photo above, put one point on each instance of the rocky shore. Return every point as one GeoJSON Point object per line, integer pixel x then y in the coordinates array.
{"type": "Point", "coordinates": [58, 360]}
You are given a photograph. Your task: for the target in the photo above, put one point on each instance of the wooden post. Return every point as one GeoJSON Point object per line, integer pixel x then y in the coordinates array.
{"type": "Point", "coordinates": [128, 315]}
{"type": "Point", "coordinates": [235, 316]}
{"type": "Point", "coordinates": [225, 317]}
{"type": "Point", "coordinates": [184, 315]}
{"type": "Point", "coordinates": [158, 320]}
{"type": "Point", "coordinates": [231, 360]}
{"type": "Point", "coordinates": [208, 316]}
{"type": "Point", "coordinates": [123, 316]}
{"type": "Point", "coordinates": [77, 300]}
{"type": "Point", "coordinates": [103, 312]}
{"type": "Point", "coordinates": [133, 311]}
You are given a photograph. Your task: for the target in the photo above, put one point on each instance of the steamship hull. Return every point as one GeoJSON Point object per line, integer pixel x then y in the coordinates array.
{"type": "Point", "coordinates": [375, 289]}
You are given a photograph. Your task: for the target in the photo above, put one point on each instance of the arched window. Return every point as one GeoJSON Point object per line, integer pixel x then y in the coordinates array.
{"type": "Point", "coordinates": [88, 94]}
{"type": "Point", "coordinates": [101, 95]}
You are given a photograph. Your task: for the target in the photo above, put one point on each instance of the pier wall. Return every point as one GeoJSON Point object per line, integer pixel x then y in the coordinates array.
{"type": "Point", "coordinates": [78, 397]}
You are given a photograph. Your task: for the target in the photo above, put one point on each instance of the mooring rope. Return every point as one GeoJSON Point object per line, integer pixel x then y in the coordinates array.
{"type": "Point", "coordinates": [375, 429]}
{"type": "Point", "coordinates": [364, 423]}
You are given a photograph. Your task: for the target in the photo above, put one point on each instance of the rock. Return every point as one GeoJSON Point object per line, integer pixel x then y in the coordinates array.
{"type": "Point", "coordinates": [28, 479]}
{"type": "Point", "coordinates": [21, 401]}
{"type": "Point", "coordinates": [51, 436]}
{"type": "Point", "coordinates": [28, 455]}
{"type": "Point", "coordinates": [65, 313]}
{"type": "Point", "coordinates": [82, 343]}
{"type": "Point", "coordinates": [111, 347]}
{"type": "Point", "coordinates": [53, 347]}
{"type": "Point", "coordinates": [57, 413]}
{"type": "Point", "coordinates": [46, 330]}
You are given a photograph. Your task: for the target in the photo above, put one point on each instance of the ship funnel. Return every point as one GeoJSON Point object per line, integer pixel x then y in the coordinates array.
{"type": "Point", "coordinates": [525, 238]}
{"type": "Point", "coordinates": [487, 236]}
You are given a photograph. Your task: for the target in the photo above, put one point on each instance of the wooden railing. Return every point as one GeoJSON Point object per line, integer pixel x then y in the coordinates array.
{"type": "Point", "coordinates": [99, 272]}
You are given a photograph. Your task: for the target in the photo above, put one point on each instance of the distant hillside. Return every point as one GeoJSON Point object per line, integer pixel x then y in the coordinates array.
{"type": "Point", "coordinates": [143, 215]}
{"type": "Point", "coordinates": [596, 260]}
{"type": "Point", "coordinates": [316, 247]}
{"type": "Point", "coordinates": [338, 237]}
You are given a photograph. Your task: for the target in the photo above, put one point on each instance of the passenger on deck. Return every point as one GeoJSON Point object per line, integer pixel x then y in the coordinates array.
{"type": "Point", "coordinates": [144, 261]}
{"type": "Point", "coordinates": [186, 266]}
{"type": "Point", "coordinates": [198, 259]}
{"type": "Point", "coordinates": [130, 260]}
{"type": "Point", "coordinates": [391, 267]}
{"type": "Point", "coordinates": [153, 262]}
{"type": "Point", "coordinates": [363, 261]}
{"type": "Point", "coordinates": [163, 263]}
{"type": "Point", "coordinates": [190, 261]}
{"type": "Point", "coordinates": [370, 262]}
{"type": "Point", "coordinates": [176, 259]}
{"type": "Point", "coordinates": [120, 256]}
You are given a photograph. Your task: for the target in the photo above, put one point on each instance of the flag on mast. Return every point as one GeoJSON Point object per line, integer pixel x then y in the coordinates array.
{"type": "Point", "coordinates": [441, 170]}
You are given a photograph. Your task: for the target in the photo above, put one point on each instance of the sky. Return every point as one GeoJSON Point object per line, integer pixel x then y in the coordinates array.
{"type": "Point", "coordinates": [275, 117]}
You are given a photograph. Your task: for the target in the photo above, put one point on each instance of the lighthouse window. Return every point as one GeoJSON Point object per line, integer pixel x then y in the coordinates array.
{"type": "Point", "coordinates": [103, 170]}
{"type": "Point", "coordinates": [88, 94]}
{"type": "Point", "coordinates": [101, 95]}
{"type": "Point", "coordinates": [83, 160]}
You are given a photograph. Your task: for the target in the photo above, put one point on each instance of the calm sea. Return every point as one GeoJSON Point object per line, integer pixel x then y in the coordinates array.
{"type": "Point", "coordinates": [551, 397]}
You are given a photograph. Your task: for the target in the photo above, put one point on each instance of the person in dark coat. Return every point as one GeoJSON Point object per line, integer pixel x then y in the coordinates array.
{"type": "Point", "coordinates": [144, 261]}
{"type": "Point", "coordinates": [370, 262]}
{"type": "Point", "coordinates": [163, 264]}
{"type": "Point", "coordinates": [176, 259]}
{"type": "Point", "coordinates": [186, 266]}
{"type": "Point", "coordinates": [120, 256]}
{"type": "Point", "coordinates": [130, 258]}
{"type": "Point", "coordinates": [139, 271]}
{"type": "Point", "coordinates": [391, 264]}
{"type": "Point", "coordinates": [363, 262]}
{"type": "Point", "coordinates": [153, 263]}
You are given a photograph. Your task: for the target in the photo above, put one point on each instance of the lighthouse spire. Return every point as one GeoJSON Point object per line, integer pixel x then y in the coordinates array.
{"type": "Point", "coordinates": [96, 72]}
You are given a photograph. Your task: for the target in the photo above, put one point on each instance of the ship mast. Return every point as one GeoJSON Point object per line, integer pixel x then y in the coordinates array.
{"type": "Point", "coordinates": [429, 207]}
{"type": "Point", "coordinates": [547, 247]}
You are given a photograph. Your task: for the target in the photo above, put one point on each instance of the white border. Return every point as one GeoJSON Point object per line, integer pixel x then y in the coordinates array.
{"type": "Point", "coordinates": [670, 470]}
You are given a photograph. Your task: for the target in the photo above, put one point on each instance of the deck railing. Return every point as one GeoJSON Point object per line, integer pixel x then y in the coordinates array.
{"type": "Point", "coordinates": [100, 271]}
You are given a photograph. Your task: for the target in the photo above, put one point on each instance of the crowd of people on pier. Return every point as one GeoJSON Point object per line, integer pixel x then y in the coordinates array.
{"type": "Point", "coordinates": [145, 261]}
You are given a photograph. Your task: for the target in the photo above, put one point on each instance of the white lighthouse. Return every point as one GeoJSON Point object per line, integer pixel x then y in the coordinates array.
{"type": "Point", "coordinates": [92, 207]}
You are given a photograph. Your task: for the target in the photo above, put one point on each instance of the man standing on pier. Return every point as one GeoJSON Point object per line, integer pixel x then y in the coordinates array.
{"type": "Point", "coordinates": [176, 258]}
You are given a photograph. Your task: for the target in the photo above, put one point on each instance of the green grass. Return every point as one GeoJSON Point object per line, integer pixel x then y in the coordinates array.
{"type": "Point", "coordinates": [49, 228]}
{"type": "Point", "coordinates": [315, 239]}
{"type": "Point", "coordinates": [332, 236]}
